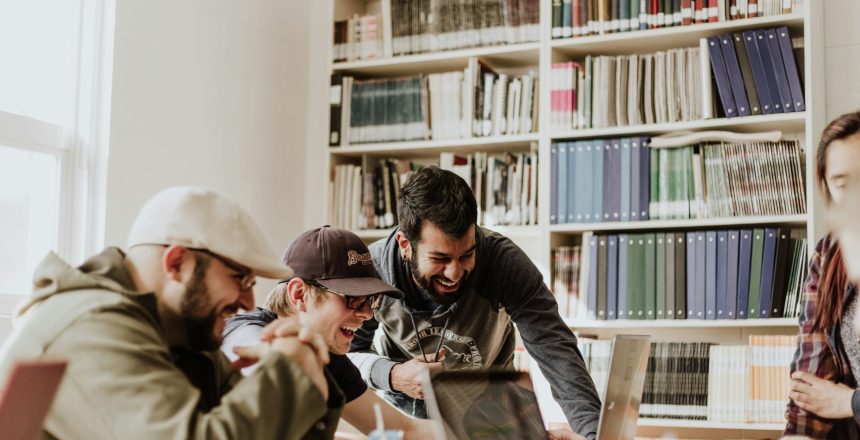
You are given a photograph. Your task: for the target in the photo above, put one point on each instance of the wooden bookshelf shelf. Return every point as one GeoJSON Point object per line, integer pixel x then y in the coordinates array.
{"type": "Point", "coordinates": [625, 43]}
{"type": "Point", "coordinates": [681, 323]}
{"type": "Point", "coordinates": [514, 55]}
{"type": "Point", "coordinates": [430, 148]}
{"type": "Point", "coordinates": [578, 228]}
{"type": "Point", "coordinates": [510, 231]}
{"type": "Point", "coordinates": [786, 122]}
{"type": "Point", "coordinates": [704, 424]}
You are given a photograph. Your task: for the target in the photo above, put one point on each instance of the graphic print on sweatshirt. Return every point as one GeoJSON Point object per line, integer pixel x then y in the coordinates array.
{"type": "Point", "coordinates": [460, 351]}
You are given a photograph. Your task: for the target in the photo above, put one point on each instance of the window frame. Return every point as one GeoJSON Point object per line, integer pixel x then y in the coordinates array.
{"type": "Point", "coordinates": [82, 150]}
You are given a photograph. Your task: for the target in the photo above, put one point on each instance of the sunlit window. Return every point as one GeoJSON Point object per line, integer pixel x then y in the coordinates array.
{"type": "Point", "coordinates": [53, 78]}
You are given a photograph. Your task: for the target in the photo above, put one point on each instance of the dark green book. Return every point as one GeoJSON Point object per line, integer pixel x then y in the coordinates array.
{"type": "Point", "coordinates": [660, 277]}
{"type": "Point", "coordinates": [669, 275]}
{"type": "Point", "coordinates": [636, 279]}
{"type": "Point", "coordinates": [755, 272]}
{"type": "Point", "coordinates": [650, 275]}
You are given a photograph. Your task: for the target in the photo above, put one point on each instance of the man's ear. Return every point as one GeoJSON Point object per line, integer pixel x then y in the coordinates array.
{"type": "Point", "coordinates": [404, 245]}
{"type": "Point", "coordinates": [297, 294]}
{"type": "Point", "coordinates": [174, 261]}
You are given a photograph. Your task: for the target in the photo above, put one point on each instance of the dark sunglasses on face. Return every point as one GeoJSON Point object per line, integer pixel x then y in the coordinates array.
{"type": "Point", "coordinates": [353, 302]}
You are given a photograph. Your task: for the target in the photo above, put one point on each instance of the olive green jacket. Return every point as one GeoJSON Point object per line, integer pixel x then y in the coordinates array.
{"type": "Point", "coordinates": [124, 382]}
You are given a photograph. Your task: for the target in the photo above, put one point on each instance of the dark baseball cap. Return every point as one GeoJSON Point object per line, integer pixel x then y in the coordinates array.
{"type": "Point", "coordinates": [337, 259]}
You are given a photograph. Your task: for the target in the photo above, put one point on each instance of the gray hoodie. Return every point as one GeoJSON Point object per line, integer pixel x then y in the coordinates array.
{"type": "Point", "coordinates": [505, 288]}
{"type": "Point", "coordinates": [123, 381]}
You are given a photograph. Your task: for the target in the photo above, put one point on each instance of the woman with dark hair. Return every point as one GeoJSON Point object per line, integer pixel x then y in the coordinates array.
{"type": "Point", "coordinates": [827, 361]}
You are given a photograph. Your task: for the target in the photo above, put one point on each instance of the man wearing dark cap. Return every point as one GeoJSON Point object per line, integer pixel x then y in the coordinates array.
{"type": "Point", "coordinates": [333, 290]}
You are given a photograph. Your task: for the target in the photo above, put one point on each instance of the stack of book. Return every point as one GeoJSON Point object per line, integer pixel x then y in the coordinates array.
{"type": "Point", "coordinates": [476, 101]}
{"type": "Point", "coordinates": [755, 72]}
{"type": "Point", "coordinates": [724, 274]}
{"type": "Point", "coordinates": [750, 383]}
{"type": "Point", "coordinates": [696, 380]}
{"type": "Point", "coordinates": [627, 181]}
{"type": "Point", "coordinates": [358, 38]}
{"type": "Point", "coordinates": [676, 383]}
{"type": "Point", "coordinates": [420, 26]}
{"type": "Point", "coordinates": [576, 18]}
{"type": "Point", "coordinates": [612, 91]}
{"type": "Point", "coordinates": [505, 186]}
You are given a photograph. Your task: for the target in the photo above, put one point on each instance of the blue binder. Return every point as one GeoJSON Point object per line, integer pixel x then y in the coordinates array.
{"type": "Point", "coordinates": [721, 76]}
{"type": "Point", "coordinates": [735, 78]}
{"type": "Point", "coordinates": [794, 83]}
{"type": "Point", "coordinates": [744, 257]}
{"type": "Point", "coordinates": [769, 72]}
{"type": "Point", "coordinates": [561, 183]}
{"type": "Point", "coordinates": [762, 87]}
{"type": "Point", "coordinates": [710, 274]}
{"type": "Point", "coordinates": [575, 193]}
{"type": "Point", "coordinates": [722, 273]}
{"type": "Point", "coordinates": [779, 70]}
{"type": "Point", "coordinates": [553, 178]}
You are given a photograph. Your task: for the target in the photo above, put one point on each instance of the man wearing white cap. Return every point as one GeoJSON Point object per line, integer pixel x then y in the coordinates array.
{"type": "Point", "coordinates": [140, 331]}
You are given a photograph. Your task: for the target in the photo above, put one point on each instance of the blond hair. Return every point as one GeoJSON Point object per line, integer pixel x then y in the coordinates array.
{"type": "Point", "coordinates": [278, 300]}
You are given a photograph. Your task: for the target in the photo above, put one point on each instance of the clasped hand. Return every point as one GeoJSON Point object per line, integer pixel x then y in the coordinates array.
{"type": "Point", "coordinates": [304, 346]}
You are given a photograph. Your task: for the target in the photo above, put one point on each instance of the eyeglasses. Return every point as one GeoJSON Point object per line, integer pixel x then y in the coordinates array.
{"type": "Point", "coordinates": [246, 278]}
{"type": "Point", "coordinates": [353, 302]}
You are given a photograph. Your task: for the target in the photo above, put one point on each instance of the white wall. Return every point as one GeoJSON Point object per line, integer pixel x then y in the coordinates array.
{"type": "Point", "coordinates": [211, 93]}
{"type": "Point", "coordinates": [842, 54]}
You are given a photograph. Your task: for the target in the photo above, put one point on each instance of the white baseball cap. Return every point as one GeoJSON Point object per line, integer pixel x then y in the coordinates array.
{"type": "Point", "coordinates": [199, 218]}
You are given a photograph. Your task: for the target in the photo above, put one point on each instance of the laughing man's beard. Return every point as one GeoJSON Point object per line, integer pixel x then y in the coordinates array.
{"type": "Point", "coordinates": [425, 285]}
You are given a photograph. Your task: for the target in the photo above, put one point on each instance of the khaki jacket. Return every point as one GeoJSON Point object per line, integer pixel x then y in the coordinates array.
{"type": "Point", "coordinates": [123, 381]}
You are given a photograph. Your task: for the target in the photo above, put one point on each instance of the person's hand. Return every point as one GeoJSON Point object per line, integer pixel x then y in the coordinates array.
{"type": "Point", "coordinates": [406, 377]}
{"type": "Point", "coordinates": [563, 434]}
{"type": "Point", "coordinates": [249, 355]}
{"type": "Point", "coordinates": [305, 346]}
{"type": "Point", "coordinates": [821, 397]}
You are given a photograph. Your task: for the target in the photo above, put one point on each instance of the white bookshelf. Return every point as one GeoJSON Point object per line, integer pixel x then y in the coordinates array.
{"type": "Point", "coordinates": [422, 148]}
{"type": "Point", "coordinates": [799, 220]}
{"type": "Point", "coordinates": [625, 324]}
{"type": "Point", "coordinates": [524, 54]}
{"type": "Point", "coordinates": [785, 122]}
{"type": "Point", "coordinates": [624, 43]}
{"type": "Point", "coordinates": [539, 240]}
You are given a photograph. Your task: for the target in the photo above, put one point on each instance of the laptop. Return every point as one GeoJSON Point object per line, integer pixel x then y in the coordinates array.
{"type": "Point", "coordinates": [27, 396]}
{"type": "Point", "coordinates": [481, 404]}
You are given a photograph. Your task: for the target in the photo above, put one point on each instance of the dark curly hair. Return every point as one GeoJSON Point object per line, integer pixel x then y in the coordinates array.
{"type": "Point", "coordinates": [439, 197]}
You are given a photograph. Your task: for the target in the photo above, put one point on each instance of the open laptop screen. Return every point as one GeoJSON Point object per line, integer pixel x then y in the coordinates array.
{"type": "Point", "coordinates": [475, 404]}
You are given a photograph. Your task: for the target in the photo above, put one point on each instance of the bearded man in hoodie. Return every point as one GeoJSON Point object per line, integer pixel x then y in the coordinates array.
{"type": "Point", "coordinates": [465, 286]}
{"type": "Point", "coordinates": [140, 330]}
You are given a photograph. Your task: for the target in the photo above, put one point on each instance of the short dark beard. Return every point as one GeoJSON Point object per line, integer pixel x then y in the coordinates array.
{"type": "Point", "coordinates": [200, 330]}
{"type": "Point", "coordinates": [425, 286]}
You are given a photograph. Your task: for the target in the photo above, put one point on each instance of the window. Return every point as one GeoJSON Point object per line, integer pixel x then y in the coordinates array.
{"type": "Point", "coordinates": [54, 107]}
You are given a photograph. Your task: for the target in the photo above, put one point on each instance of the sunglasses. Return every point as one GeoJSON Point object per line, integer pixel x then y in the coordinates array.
{"type": "Point", "coordinates": [353, 302]}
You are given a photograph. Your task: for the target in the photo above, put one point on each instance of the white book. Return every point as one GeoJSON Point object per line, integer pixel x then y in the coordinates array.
{"type": "Point", "coordinates": [648, 86]}
{"type": "Point", "coordinates": [705, 79]}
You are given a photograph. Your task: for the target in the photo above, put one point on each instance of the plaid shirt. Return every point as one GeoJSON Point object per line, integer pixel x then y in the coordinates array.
{"type": "Point", "coordinates": [822, 355]}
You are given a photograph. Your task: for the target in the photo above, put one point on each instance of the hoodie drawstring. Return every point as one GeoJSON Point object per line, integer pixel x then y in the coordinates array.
{"type": "Point", "coordinates": [441, 337]}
